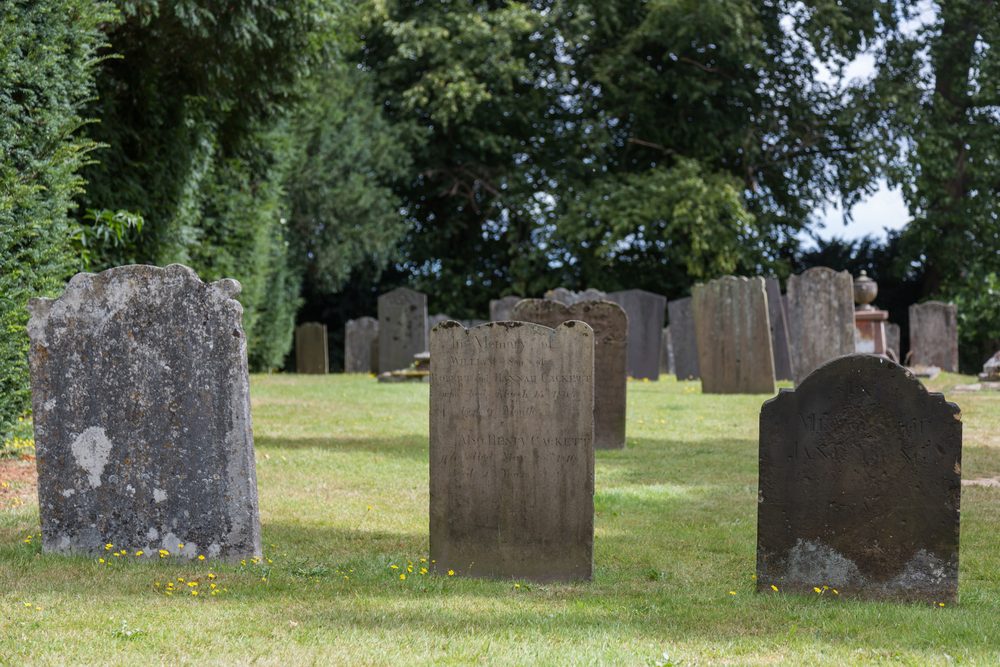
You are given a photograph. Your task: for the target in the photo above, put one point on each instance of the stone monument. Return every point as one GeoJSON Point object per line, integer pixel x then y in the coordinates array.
{"type": "Point", "coordinates": [860, 478]}
{"type": "Point", "coordinates": [934, 335]}
{"type": "Point", "coordinates": [402, 328]}
{"type": "Point", "coordinates": [311, 354]}
{"type": "Point", "coordinates": [141, 402]}
{"type": "Point", "coordinates": [734, 336]}
{"type": "Point", "coordinates": [869, 322]}
{"type": "Point", "coordinates": [821, 318]}
{"type": "Point", "coordinates": [500, 309]}
{"type": "Point", "coordinates": [779, 330]}
{"type": "Point", "coordinates": [645, 312]}
{"type": "Point", "coordinates": [610, 327]}
{"type": "Point", "coordinates": [361, 345]}
{"type": "Point", "coordinates": [512, 450]}
{"type": "Point", "coordinates": [684, 340]}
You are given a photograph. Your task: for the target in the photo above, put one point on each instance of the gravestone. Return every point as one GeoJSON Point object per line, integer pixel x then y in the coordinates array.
{"type": "Point", "coordinates": [860, 477]}
{"type": "Point", "coordinates": [734, 336]}
{"type": "Point", "coordinates": [141, 402]}
{"type": "Point", "coordinates": [512, 450]}
{"type": "Point", "coordinates": [610, 327]}
{"type": "Point", "coordinates": [666, 353]}
{"type": "Point", "coordinates": [500, 309]}
{"type": "Point", "coordinates": [820, 317]}
{"type": "Point", "coordinates": [361, 345]}
{"type": "Point", "coordinates": [311, 354]}
{"type": "Point", "coordinates": [645, 312]}
{"type": "Point", "coordinates": [684, 340]}
{"type": "Point", "coordinates": [435, 320]}
{"type": "Point", "coordinates": [934, 335]}
{"type": "Point", "coordinates": [779, 330]}
{"type": "Point", "coordinates": [402, 328]}
{"type": "Point", "coordinates": [892, 340]}
{"type": "Point", "coordinates": [569, 297]}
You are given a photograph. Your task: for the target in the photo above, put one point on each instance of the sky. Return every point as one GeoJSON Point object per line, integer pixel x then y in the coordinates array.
{"type": "Point", "coordinates": [885, 208]}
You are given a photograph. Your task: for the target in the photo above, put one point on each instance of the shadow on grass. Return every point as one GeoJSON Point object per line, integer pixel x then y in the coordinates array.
{"type": "Point", "coordinates": [412, 446]}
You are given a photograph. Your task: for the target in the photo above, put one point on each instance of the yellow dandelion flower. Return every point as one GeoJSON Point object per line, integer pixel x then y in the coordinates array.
{"type": "Point", "coordinates": [194, 593]}
{"type": "Point", "coordinates": [393, 567]}
{"type": "Point", "coordinates": [732, 592]}
{"type": "Point", "coordinates": [27, 604]}
{"type": "Point", "coordinates": [817, 589]}
{"type": "Point", "coordinates": [940, 604]}
{"type": "Point", "coordinates": [263, 578]}
{"type": "Point", "coordinates": [139, 552]}
{"type": "Point", "coordinates": [402, 576]}
{"type": "Point", "coordinates": [180, 546]}
{"type": "Point", "coordinates": [101, 560]}
{"type": "Point", "coordinates": [180, 579]}
{"type": "Point", "coordinates": [754, 577]}
{"type": "Point", "coordinates": [211, 575]}
{"type": "Point", "coordinates": [423, 570]}
{"type": "Point", "coordinates": [269, 561]}
{"type": "Point", "coordinates": [214, 592]}
{"type": "Point", "coordinates": [201, 556]}
{"type": "Point", "coordinates": [423, 560]}
{"type": "Point", "coordinates": [243, 563]}
{"type": "Point", "coordinates": [517, 585]}
{"type": "Point", "coordinates": [835, 591]}
{"type": "Point", "coordinates": [774, 588]}
{"type": "Point", "coordinates": [213, 586]}
{"type": "Point", "coordinates": [369, 508]}
{"type": "Point", "coordinates": [107, 547]}
{"type": "Point", "coordinates": [451, 573]}
{"type": "Point", "coordinates": [192, 584]}
{"type": "Point", "coordinates": [409, 568]}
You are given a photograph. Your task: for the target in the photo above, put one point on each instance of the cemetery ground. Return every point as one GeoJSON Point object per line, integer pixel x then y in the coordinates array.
{"type": "Point", "coordinates": [343, 474]}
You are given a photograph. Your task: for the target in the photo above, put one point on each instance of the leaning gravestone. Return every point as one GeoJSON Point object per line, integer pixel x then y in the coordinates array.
{"type": "Point", "coordinates": [892, 339]}
{"type": "Point", "coordinates": [779, 330]}
{"type": "Point", "coordinates": [684, 340]}
{"type": "Point", "coordinates": [610, 327]}
{"type": "Point", "coordinates": [860, 477]}
{"type": "Point", "coordinates": [512, 450]}
{"type": "Point", "coordinates": [645, 312]}
{"type": "Point", "coordinates": [934, 335]}
{"type": "Point", "coordinates": [402, 328]}
{"type": "Point", "coordinates": [361, 345]}
{"type": "Point", "coordinates": [500, 309]}
{"type": "Point", "coordinates": [311, 354]}
{"type": "Point", "coordinates": [821, 318]}
{"type": "Point", "coordinates": [734, 336]}
{"type": "Point", "coordinates": [141, 405]}
{"type": "Point", "coordinates": [666, 353]}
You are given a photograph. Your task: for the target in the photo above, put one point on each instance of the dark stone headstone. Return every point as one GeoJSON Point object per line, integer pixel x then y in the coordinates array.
{"type": "Point", "coordinates": [684, 340]}
{"type": "Point", "coordinates": [645, 312]}
{"type": "Point", "coordinates": [512, 450]}
{"type": "Point", "coordinates": [361, 345]}
{"type": "Point", "coordinates": [734, 337]}
{"type": "Point", "coordinates": [666, 353]}
{"type": "Point", "coordinates": [141, 407]}
{"type": "Point", "coordinates": [610, 327]}
{"type": "Point", "coordinates": [402, 328]}
{"type": "Point", "coordinates": [779, 330]}
{"type": "Point", "coordinates": [860, 477]}
{"type": "Point", "coordinates": [311, 354]}
{"type": "Point", "coordinates": [934, 335]}
{"type": "Point", "coordinates": [500, 309]}
{"type": "Point", "coordinates": [820, 318]}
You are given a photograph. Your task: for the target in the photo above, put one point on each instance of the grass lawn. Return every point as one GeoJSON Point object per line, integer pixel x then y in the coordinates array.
{"type": "Point", "coordinates": [342, 471]}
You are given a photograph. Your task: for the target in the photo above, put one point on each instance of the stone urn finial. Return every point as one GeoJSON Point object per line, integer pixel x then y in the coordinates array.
{"type": "Point", "coordinates": [865, 291]}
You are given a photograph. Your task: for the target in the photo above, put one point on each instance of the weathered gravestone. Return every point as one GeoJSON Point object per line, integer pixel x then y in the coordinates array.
{"type": "Point", "coordinates": [500, 309]}
{"type": "Point", "coordinates": [569, 297]}
{"type": "Point", "coordinates": [141, 408]}
{"type": "Point", "coordinates": [610, 327]}
{"type": "Point", "coordinates": [402, 328]}
{"type": "Point", "coordinates": [435, 320]}
{"type": "Point", "coordinates": [666, 353]}
{"type": "Point", "coordinates": [860, 477]}
{"type": "Point", "coordinates": [779, 330]}
{"type": "Point", "coordinates": [892, 340]}
{"type": "Point", "coordinates": [645, 312]}
{"type": "Point", "coordinates": [934, 335]}
{"type": "Point", "coordinates": [361, 345]}
{"type": "Point", "coordinates": [512, 450]}
{"type": "Point", "coordinates": [684, 340]}
{"type": "Point", "coordinates": [821, 318]}
{"type": "Point", "coordinates": [734, 336]}
{"type": "Point", "coordinates": [311, 354]}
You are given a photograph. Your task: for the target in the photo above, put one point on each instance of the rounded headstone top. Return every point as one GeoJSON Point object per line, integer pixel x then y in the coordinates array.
{"type": "Point", "coordinates": [865, 291]}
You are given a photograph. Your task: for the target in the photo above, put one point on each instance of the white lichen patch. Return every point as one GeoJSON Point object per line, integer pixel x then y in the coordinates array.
{"type": "Point", "coordinates": [159, 495]}
{"type": "Point", "coordinates": [814, 562]}
{"type": "Point", "coordinates": [66, 493]}
{"type": "Point", "coordinates": [91, 450]}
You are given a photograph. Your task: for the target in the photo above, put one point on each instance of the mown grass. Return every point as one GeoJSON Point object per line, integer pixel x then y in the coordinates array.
{"type": "Point", "coordinates": [342, 472]}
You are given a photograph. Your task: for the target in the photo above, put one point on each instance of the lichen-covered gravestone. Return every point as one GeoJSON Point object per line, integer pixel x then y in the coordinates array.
{"type": "Point", "coordinates": [141, 408]}
{"type": "Point", "coordinates": [645, 312]}
{"type": "Point", "coordinates": [684, 339]}
{"type": "Point", "coordinates": [500, 309]}
{"type": "Point", "coordinates": [934, 335]}
{"type": "Point", "coordinates": [311, 354]}
{"type": "Point", "coordinates": [361, 345]}
{"type": "Point", "coordinates": [402, 328]}
{"type": "Point", "coordinates": [734, 336]}
{"type": "Point", "coordinates": [779, 330]}
{"type": "Point", "coordinates": [820, 318]}
{"type": "Point", "coordinates": [860, 478]}
{"type": "Point", "coordinates": [512, 450]}
{"type": "Point", "coordinates": [610, 326]}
